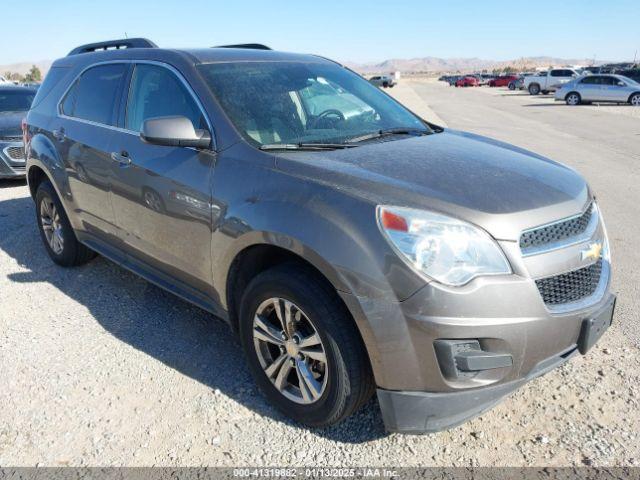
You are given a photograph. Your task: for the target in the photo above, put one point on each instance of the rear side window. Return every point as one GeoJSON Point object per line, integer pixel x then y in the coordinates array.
{"type": "Point", "coordinates": [561, 73]}
{"type": "Point", "coordinates": [591, 80]}
{"type": "Point", "coordinates": [156, 92]}
{"type": "Point", "coordinates": [95, 95]}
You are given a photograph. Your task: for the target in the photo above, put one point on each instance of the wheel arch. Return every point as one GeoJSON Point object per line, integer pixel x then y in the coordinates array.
{"type": "Point", "coordinates": [571, 92]}
{"type": "Point", "coordinates": [44, 163]}
{"type": "Point", "coordinates": [259, 257]}
{"type": "Point", "coordinates": [630, 96]}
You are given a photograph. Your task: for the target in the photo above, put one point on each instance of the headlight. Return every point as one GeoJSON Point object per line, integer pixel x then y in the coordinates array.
{"type": "Point", "coordinates": [445, 249]}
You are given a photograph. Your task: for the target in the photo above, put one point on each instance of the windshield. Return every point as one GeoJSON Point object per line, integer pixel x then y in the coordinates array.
{"type": "Point", "coordinates": [12, 101]}
{"type": "Point", "coordinates": [273, 103]}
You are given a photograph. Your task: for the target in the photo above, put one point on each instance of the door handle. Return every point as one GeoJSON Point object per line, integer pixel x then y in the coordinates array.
{"type": "Point", "coordinates": [122, 158]}
{"type": "Point", "coordinates": [59, 134]}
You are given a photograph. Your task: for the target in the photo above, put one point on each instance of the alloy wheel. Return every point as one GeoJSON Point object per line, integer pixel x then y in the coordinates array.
{"type": "Point", "coordinates": [573, 99]}
{"type": "Point", "coordinates": [635, 100]}
{"type": "Point", "coordinates": [51, 225]}
{"type": "Point", "coordinates": [290, 350]}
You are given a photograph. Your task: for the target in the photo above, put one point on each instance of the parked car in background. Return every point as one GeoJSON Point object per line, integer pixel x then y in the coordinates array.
{"type": "Point", "coordinates": [600, 88]}
{"type": "Point", "coordinates": [632, 73]}
{"type": "Point", "coordinates": [352, 252]}
{"type": "Point", "coordinates": [34, 85]}
{"type": "Point", "coordinates": [14, 105]}
{"type": "Point", "coordinates": [502, 81]}
{"type": "Point", "coordinates": [384, 81]}
{"type": "Point", "coordinates": [518, 83]}
{"type": "Point", "coordinates": [453, 79]}
{"type": "Point", "coordinates": [545, 82]}
{"type": "Point", "coordinates": [467, 81]}
{"type": "Point", "coordinates": [485, 78]}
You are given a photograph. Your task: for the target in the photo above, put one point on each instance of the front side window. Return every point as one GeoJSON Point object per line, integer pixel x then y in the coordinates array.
{"type": "Point", "coordinates": [95, 95]}
{"type": "Point", "coordinates": [156, 92]}
{"type": "Point", "coordinates": [302, 102]}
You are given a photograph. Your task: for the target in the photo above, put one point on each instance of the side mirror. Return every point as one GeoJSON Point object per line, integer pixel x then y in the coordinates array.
{"type": "Point", "coordinates": [174, 132]}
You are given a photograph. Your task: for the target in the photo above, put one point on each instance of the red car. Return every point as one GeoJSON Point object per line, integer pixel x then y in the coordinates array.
{"type": "Point", "coordinates": [467, 82]}
{"type": "Point", "coordinates": [502, 81]}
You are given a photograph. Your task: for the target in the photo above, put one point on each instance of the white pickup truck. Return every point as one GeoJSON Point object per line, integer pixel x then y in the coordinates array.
{"type": "Point", "coordinates": [546, 82]}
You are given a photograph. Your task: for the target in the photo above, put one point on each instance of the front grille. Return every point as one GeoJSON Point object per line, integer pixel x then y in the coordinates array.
{"type": "Point", "coordinates": [572, 286]}
{"type": "Point", "coordinates": [556, 232]}
{"type": "Point", "coordinates": [15, 153]}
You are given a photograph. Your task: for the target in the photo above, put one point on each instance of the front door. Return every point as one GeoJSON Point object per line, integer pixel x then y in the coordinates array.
{"type": "Point", "coordinates": [590, 88]}
{"type": "Point", "coordinates": [162, 195]}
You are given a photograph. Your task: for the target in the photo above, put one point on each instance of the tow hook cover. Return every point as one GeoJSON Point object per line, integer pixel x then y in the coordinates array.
{"type": "Point", "coordinates": [462, 358]}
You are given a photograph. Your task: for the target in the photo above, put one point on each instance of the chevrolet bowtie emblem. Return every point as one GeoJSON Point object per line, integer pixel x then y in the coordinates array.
{"type": "Point", "coordinates": [592, 253]}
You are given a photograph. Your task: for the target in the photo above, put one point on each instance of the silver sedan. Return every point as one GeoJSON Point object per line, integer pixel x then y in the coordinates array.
{"type": "Point", "coordinates": [600, 88]}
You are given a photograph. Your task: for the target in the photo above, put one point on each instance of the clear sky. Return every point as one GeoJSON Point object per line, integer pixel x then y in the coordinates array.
{"type": "Point", "coordinates": [347, 30]}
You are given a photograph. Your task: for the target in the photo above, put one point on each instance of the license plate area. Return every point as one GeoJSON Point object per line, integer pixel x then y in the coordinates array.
{"type": "Point", "coordinates": [593, 328]}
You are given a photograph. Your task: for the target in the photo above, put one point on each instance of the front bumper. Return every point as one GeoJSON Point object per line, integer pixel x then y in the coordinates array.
{"type": "Point", "coordinates": [504, 315]}
{"type": "Point", "coordinates": [11, 166]}
{"type": "Point", "coordinates": [424, 412]}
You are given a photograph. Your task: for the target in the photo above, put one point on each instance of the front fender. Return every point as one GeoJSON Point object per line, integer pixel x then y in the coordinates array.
{"type": "Point", "coordinates": [344, 250]}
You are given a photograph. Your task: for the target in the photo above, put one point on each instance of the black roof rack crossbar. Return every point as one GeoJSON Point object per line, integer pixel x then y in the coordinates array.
{"type": "Point", "coordinates": [113, 44]}
{"type": "Point", "coordinates": [251, 46]}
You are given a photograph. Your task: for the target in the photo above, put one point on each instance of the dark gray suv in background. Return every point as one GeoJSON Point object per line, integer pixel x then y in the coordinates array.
{"type": "Point", "coordinates": [353, 246]}
{"type": "Point", "coordinates": [14, 105]}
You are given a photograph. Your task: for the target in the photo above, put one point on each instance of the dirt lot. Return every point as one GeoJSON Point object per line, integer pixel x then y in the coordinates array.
{"type": "Point", "coordinates": [98, 367]}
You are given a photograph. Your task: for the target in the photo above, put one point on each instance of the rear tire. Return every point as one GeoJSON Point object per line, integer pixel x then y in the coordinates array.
{"type": "Point", "coordinates": [512, 86]}
{"type": "Point", "coordinates": [55, 230]}
{"type": "Point", "coordinates": [534, 89]}
{"type": "Point", "coordinates": [635, 99]}
{"type": "Point", "coordinates": [573, 98]}
{"type": "Point", "coordinates": [348, 383]}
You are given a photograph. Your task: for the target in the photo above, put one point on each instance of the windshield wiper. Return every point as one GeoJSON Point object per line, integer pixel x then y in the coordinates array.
{"type": "Point", "coordinates": [390, 131]}
{"type": "Point", "coordinates": [305, 146]}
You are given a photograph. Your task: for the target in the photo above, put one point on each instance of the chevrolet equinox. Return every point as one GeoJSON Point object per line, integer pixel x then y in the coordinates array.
{"type": "Point", "coordinates": [354, 247]}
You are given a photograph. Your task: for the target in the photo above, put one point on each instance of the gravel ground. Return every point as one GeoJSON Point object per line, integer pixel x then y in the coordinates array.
{"type": "Point", "coordinates": [98, 367]}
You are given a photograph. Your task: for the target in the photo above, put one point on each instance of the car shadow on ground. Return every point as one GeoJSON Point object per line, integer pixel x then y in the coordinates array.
{"type": "Point", "coordinates": [12, 183]}
{"type": "Point", "coordinates": [557, 104]}
{"type": "Point", "coordinates": [157, 323]}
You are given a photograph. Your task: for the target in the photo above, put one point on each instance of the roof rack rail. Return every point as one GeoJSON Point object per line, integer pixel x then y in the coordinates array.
{"type": "Point", "coordinates": [250, 46]}
{"type": "Point", "coordinates": [113, 44]}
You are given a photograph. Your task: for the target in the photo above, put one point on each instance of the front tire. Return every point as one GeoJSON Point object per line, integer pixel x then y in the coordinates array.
{"type": "Point", "coordinates": [635, 100]}
{"type": "Point", "coordinates": [573, 99]}
{"type": "Point", "coordinates": [55, 230]}
{"type": "Point", "coordinates": [512, 86]}
{"type": "Point", "coordinates": [303, 348]}
{"type": "Point", "coordinates": [534, 89]}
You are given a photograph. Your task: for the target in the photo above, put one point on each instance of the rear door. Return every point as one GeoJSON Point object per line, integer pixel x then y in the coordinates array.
{"type": "Point", "coordinates": [589, 88]}
{"type": "Point", "coordinates": [162, 195]}
{"type": "Point", "coordinates": [82, 133]}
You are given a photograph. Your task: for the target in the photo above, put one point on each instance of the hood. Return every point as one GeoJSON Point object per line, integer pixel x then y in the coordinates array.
{"type": "Point", "coordinates": [475, 178]}
{"type": "Point", "coordinates": [10, 124]}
